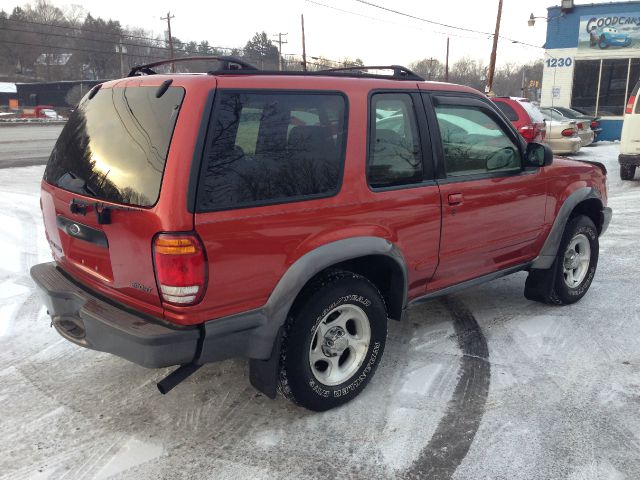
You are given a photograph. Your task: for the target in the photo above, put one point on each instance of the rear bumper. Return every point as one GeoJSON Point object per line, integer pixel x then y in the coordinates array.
{"type": "Point", "coordinates": [86, 320]}
{"type": "Point", "coordinates": [629, 159]}
{"type": "Point", "coordinates": [90, 322]}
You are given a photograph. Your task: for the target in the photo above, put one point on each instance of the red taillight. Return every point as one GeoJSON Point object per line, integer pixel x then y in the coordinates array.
{"type": "Point", "coordinates": [580, 126]}
{"type": "Point", "coordinates": [528, 132]}
{"type": "Point", "coordinates": [569, 132]}
{"type": "Point", "coordinates": [630, 104]}
{"type": "Point", "coordinates": [594, 125]}
{"type": "Point", "coordinates": [181, 268]}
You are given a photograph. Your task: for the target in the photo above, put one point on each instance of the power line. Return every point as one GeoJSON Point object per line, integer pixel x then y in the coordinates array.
{"type": "Point", "coordinates": [365, 2]}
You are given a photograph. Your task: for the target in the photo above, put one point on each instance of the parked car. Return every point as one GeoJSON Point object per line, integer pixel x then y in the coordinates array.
{"type": "Point", "coordinates": [562, 137]}
{"type": "Point", "coordinates": [584, 127]}
{"type": "Point", "coordinates": [629, 157]}
{"type": "Point", "coordinates": [525, 116]}
{"type": "Point", "coordinates": [39, 111]}
{"type": "Point", "coordinates": [573, 114]}
{"type": "Point", "coordinates": [609, 37]}
{"type": "Point", "coordinates": [192, 218]}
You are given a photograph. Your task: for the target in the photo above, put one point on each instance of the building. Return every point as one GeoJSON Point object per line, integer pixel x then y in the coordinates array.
{"type": "Point", "coordinates": [65, 93]}
{"type": "Point", "coordinates": [592, 60]}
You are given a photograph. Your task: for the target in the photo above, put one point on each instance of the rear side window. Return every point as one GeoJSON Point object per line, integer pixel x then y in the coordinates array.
{"type": "Point", "coordinates": [508, 111]}
{"type": "Point", "coordinates": [114, 146]}
{"type": "Point", "coordinates": [271, 147]}
{"type": "Point", "coordinates": [395, 157]}
{"type": "Point", "coordinates": [534, 112]}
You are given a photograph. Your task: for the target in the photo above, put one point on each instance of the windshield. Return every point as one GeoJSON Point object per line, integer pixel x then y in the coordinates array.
{"type": "Point", "coordinates": [114, 146]}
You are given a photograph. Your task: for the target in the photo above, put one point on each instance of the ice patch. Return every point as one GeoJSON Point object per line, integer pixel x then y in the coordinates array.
{"type": "Point", "coordinates": [421, 380]}
{"type": "Point", "coordinates": [133, 452]}
{"type": "Point", "coordinates": [7, 315]}
{"type": "Point", "coordinates": [596, 471]}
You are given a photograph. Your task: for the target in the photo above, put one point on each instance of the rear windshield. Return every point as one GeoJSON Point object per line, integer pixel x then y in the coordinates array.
{"type": "Point", "coordinates": [533, 111]}
{"type": "Point", "coordinates": [114, 146]}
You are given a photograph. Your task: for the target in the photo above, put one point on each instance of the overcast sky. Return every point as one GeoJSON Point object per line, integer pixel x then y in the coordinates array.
{"type": "Point", "coordinates": [342, 28]}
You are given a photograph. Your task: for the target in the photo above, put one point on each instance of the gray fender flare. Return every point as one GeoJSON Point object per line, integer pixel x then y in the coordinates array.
{"type": "Point", "coordinates": [266, 341]}
{"type": "Point", "coordinates": [552, 243]}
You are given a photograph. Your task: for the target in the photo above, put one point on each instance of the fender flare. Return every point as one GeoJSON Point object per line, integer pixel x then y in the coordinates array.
{"type": "Point", "coordinates": [263, 374]}
{"type": "Point", "coordinates": [552, 243]}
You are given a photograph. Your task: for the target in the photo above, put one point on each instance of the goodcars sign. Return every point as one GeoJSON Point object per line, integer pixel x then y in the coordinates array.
{"type": "Point", "coordinates": [607, 34]}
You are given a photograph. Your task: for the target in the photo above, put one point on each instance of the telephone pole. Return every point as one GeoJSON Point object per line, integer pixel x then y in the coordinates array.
{"type": "Point", "coordinates": [492, 63]}
{"type": "Point", "coordinates": [304, 48]}
{"type": "Point", "coordinates": [168, 19]}
{"type": "Point", "coordinates": [280, 42]}
{"type": "Point", "coordinates": [446, 65]}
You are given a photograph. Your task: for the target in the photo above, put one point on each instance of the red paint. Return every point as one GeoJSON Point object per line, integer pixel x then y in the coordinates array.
{"type": "Point", "coordinates": [447, 233]}
{"type": "Point", "coordinates": [530, 129]}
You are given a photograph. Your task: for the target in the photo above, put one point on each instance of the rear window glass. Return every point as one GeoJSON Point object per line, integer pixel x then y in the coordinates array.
{"type": "Point", "coordinates": [508, 111]}
{"type": "Point", "coordinates": [265, 148]}
{"type": "Point", "coordinates": [534, 112]}
{"type": "Point", "coordinates": [114, 146]}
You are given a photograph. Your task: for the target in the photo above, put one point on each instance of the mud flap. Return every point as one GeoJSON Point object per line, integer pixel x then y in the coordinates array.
{"type": "Point", "coordinates": [263, 374]}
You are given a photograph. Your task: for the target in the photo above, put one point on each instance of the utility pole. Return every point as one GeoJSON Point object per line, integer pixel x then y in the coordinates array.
{"type": "Point", "coordinates": [168, 19]}
{"type": "Point", "coordinates": [492, 63]}
{"type": "Point", "coordinates": [280, 42]}
{"type": "Point", "coordinates": [304, 47]}
{"type": "Point", "coordinates": [446, 64]}
{"type": "Point", "coordinates": [122, 50]}
{"type": "Point", "coordinates": [430, 69]}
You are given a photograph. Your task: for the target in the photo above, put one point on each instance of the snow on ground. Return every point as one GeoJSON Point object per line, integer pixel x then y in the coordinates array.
{"type": "Point", "coordinates": [561, 397]}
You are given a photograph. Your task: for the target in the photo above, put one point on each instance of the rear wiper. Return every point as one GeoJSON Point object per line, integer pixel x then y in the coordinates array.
{"type": "Point", "coordinates": [72, 182]}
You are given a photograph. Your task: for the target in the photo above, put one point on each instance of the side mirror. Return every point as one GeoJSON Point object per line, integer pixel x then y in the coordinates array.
{"type": "Point", "coordinates": [538, 155]}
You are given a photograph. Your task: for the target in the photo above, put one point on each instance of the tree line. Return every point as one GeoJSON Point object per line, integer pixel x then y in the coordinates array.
{"type": "Point", "coordinates": [42, 42]}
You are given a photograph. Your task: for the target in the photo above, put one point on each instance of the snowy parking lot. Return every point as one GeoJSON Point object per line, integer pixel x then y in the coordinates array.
{"type": "Point", "coordinates": [480, 385]}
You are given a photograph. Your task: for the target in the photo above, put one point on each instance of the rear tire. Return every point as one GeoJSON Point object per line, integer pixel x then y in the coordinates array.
{"type": "Point", "coordinates": [333, 342]}
{"type": "Point", "coordinates": [572, 272]}
{"type": "Point", "coordinates": [627, 172]}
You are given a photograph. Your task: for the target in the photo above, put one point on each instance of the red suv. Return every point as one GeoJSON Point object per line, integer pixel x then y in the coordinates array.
{"type": "Point", "coordinates": [284, 218]}
{"type": "Point", "coordinates": [525, 116]}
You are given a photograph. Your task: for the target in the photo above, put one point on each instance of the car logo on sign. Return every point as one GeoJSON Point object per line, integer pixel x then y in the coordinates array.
{"type": "Point", "coordinates": [74, 229]}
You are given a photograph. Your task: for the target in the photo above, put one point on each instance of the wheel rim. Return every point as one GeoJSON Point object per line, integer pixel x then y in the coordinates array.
{"type": "Point", "coordinates": [340, 344]}
{"type": "Point", "coordinates": [576, 261]}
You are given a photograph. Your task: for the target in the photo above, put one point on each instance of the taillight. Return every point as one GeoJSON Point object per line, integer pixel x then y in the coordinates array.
{"type": "Point", "coordinates": [594, 125]}
{"type": "Point", "coordinates": [528, 132]}
{"type": "Point", "coordinates": [181, 268]}
{"type": "Point", "coordinates": [630, 104]}
{"type": "Point", "coordinates": [569, 132]}
{"type": "Point", "coordinates": [580, 126]}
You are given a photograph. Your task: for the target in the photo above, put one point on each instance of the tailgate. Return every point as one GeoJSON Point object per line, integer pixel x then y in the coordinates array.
{"type": "Point", "coordinates": [101, 186]}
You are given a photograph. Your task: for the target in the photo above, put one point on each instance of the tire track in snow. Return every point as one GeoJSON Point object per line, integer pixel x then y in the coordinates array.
{"type": "Point", "coordinates": [457, 428]}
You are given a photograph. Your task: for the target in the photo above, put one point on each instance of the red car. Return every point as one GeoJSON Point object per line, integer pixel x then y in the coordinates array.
{"type": "Point", "coordinates": [525, 116]}
{"type": "Point", "coordinates": [284, 218]}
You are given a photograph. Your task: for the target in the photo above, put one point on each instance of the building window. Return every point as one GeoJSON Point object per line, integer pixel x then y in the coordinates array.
{"type": "Point", "coordinates": [602, 87]}
{"type": "Point", "coordinates": [585, 85]}
{"type": "Point", "coordinates": [613, 87]}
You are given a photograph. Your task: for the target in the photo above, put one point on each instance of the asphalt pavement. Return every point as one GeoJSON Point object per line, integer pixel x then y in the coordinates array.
{"type": "Point", "coordinates": [27, 144]}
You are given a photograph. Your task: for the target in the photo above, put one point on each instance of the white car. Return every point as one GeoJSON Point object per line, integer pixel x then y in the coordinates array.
{"type": "Point", "coordinates": [629, 157]}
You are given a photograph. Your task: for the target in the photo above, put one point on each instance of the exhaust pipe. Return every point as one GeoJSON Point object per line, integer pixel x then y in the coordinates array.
{"type": "Point", "coordinates": [178, 375]}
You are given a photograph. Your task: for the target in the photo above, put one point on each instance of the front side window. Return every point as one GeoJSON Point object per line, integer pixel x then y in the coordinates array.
{"type": "Point", "coordinates": [265, 148]}
{"type": "Point", "coordinates": [395, 157]}
{"type": "Point", "coordinates": [473, 143]}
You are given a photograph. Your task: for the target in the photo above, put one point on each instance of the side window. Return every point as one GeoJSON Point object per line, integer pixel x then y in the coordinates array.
{"type": "Point", "coordinates": [270, 147]}
{"type": "Point", "coordinates": [394, 143]}
{"type": "Point", "coordinates": [474, 143]}
{"type": "Point", "coordinates": [507, 110]}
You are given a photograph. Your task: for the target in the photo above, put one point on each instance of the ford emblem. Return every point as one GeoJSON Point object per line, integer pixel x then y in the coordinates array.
{"type": "Point", "coordinates": [74, 229]}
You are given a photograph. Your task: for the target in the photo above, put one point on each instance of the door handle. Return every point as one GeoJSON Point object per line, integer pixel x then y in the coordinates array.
{"type": "Point", "coordinates": [456, 199]}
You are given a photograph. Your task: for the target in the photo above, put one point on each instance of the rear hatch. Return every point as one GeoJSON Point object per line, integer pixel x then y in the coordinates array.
{"type": "Point", "coordinates": [101, 189]}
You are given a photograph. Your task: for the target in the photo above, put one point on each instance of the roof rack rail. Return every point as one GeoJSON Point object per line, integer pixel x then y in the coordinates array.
{"type": "Point", "coordinates": [399, 72]}
{"type": "Point", "coordinates": [228, 64]}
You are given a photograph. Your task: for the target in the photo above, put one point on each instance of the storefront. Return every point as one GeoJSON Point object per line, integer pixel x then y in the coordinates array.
{"type": "Point", "coordinates": [592, 60]}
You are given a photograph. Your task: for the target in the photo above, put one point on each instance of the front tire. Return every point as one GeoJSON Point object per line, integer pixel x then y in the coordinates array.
{"type": "Point", "coordinates": [333, 342]}
{"type": "Point", "coordinates": [627, 172]}
{"type": "Point", "coordinates": [572, 272]}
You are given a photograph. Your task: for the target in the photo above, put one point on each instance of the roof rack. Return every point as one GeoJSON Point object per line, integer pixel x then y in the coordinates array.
{"type": "Point", "coordinates": [227, 64]}
{"type": "Point", "coordinates": [399, 72]}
